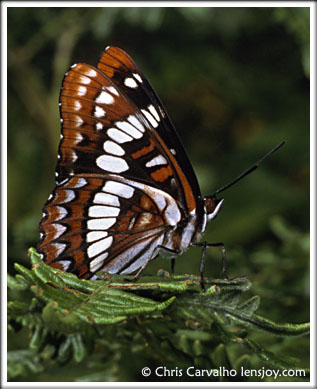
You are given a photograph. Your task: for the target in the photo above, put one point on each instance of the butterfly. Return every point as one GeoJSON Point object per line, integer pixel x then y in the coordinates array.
{"type": "Point", "coordinates": [125, 190]}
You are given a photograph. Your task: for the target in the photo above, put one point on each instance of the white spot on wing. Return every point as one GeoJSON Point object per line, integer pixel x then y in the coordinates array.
{"type": "Point", "coordinates": [77, 106]}
{"type": "Point", "coordinates": [113, 90]}
{"type": "Point", "coordinates": [98, 247]}
{"type": "Point", "coordinates": [78, 137]}
{"type": "Point", "coordinates": [96, 263]}
{"type": "Point", "coordinates": [112, 164]}
{"type": "Point", "coordinates": [81, 91]}
{"type": "Point", "coordinates": [79, 121]}
{"type": "Point", "coordinates": [101, 224]}
{"type": "Point", "coordinates": [137, 76]}
{"type": "Point", "coordinates": [61, 213]}
{"type": "Point", "coordinates": [119, 189]}
{"type": "Point", "coordinates": [85, 80]}
{"type": "Point", "coordinates": [60, 247]}
{"type": "Point", "coordinates": [59, 230]}
{"type": "Point", "coordinates": [119, 136]}
{"type": "Point", "coordinates": [104, 98]}
{"type": "Point", "coordinates": [96, 235]}
{"type": "Point", "coordinates": [99, 112]}
{"type": "Point", "coordinates": [130, 83]}
{"type": "Point", "coordinates": [113, 148]}
{"type": "Point", "coordinates": [74, 156]}
{"type": "Point", "coordinates": [150, 118]}
{"type": "Point", "coordinates": [159, 160]}
{"type": "Point", "coordinates": [65, 264]}
{"type": "Point", "coordinates": [81, 182]}
{"type": "Point", "coordinates": [91, 73]}
{"type": "Point", "coordinates": [69, 196]}
{"type": "Point", "coordinates": [125, 126]}
{"type": "Point", "coordinates": [153, 111]}
{"type": "Point", "coordinates": [99, 126]}
{"type": "Point", "coordinates": [133, 120]}
{"type": "Point", "coordinates": [103, 211]}
{"type": "Point", "coordinates": [106, 198]}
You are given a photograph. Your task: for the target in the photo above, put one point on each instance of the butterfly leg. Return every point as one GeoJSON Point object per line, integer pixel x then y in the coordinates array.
{"type": "Point", "coordinates": [170, 253]}
{"type": "Point", "coordinates": [204, 245]}
{"type": "Point", "coordinates": [137, 276]}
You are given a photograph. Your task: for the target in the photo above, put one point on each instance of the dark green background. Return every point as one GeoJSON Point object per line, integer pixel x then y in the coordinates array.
{"type": "Point", "coordinates": [235, 82]}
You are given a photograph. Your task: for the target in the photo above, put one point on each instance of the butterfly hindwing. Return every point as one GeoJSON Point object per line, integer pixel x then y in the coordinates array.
{"type": "Point", "coordinates": [93, 222]}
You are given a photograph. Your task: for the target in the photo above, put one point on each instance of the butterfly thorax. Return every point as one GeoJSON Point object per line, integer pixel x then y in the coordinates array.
{"type": "Point", "coordinates": [188, 231]}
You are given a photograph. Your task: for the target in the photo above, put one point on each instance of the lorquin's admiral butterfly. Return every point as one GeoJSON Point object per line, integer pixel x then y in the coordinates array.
{"type": "Point", "coordinates": [125, 188]}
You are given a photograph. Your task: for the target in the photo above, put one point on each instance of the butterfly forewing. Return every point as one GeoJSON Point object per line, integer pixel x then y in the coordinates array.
{"type": "Point", "coordinates": [104, 132]}
{"type": "Point", "coordinates": [123, 71]}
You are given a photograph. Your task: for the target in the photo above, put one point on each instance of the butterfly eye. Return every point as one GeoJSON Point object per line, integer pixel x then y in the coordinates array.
{"type": "Point", "coordinates": [212, 206]}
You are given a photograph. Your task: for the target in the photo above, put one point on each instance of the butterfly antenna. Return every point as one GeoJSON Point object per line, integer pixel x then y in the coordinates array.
{"type": "Point", "coordinates": [250, 170]}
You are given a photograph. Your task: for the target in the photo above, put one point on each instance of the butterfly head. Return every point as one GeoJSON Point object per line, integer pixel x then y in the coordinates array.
{"type": "Point", "coordinates": [212, 206]}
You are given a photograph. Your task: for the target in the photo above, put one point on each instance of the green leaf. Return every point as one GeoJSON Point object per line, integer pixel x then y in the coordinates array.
{"type": "Point", "coordinates": [79, 348]}
{"type": "Point", "coordinates": [21, 362]}
{"type": "Point", "coordinates": [71, 304]}
{"type": "Point", "coordinates": [169, 315]}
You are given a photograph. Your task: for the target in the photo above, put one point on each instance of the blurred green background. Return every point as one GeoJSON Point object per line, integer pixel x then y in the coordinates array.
{"type": "Point", "coordinates": [235, 82]}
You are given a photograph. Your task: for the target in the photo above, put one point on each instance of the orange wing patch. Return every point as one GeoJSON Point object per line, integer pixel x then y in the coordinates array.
{"type": "Point", "coordinates": [145, 150]}
{"type": "Point", "coordinates": [162, 174]}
